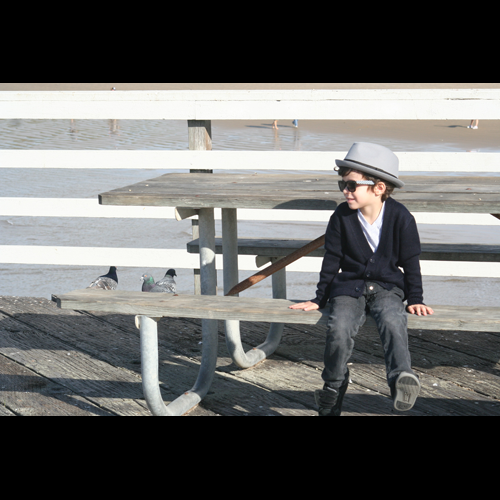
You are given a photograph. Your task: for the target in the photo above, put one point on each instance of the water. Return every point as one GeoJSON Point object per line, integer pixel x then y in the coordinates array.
{"type": "Point", "coordinates": [42, 281]}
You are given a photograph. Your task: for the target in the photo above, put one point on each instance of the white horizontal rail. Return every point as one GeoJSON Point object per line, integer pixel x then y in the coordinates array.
{"type": "Point", "coordinates": [97, 256]}
{"type": "Point", "coordinates": [78, 207]}
{"type": "Point", "coordinates": [380, 104]}
{"type": "Point", "coordinates": [84, 207]}
{"type": "Point", "coordinates": [180, 259]}
{"type": "Point", "coordinates": [106, 256]}
{"type": "Point", "coordinates": [228, 95]}
{"type": "Point", "coordinates": [235, 105]}
{"type": "Point", "coordinates": [237, 160]}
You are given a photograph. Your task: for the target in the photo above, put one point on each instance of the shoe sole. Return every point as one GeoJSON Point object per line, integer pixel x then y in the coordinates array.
{"type": "Point", "coordinates": [407, 389]}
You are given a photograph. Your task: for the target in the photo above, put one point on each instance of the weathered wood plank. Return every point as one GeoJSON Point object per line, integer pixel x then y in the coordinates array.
{"type": "Point", "coordinates": [255, 309]}
{"type": "Point", "coordinates": [276, 247]}
{"type": "Point", "coordinates": [187, 306]}
{"type": "Point", "coordinates": [301, 192]}
{"type": "Point", "coordinates": [113, 389]}
{"type": "Point", "coordinates": [5, 412]}
{"type": "Point", "coordinates": [26, 393]}
{"type": "Point", "coordinates": [460, 252]}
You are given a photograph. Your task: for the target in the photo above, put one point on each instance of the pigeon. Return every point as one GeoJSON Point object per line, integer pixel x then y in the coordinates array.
{"type": "Point", "coordinates": [165, 285]}
{"type": "Point", "coordinates": [107, 281]}
{"type": "Point", "coordinates": [148, 282]}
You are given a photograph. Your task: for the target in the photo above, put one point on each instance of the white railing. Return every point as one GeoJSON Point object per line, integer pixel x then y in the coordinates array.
{"type": "Point", "coordinates": [224, 105]}
{"type": "Point", "coordinates": [415, 104]}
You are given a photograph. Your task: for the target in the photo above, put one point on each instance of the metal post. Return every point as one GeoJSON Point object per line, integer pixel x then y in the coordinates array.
{"type": "Point", "coordinates": [208, 279]}
{"type": "Point", "coordinates": [232, 327]}
{"type": "Point", "coordinates": [230, 248]}
{"type": "Point", "coordinates": [149, 370]}
{"type": "Point", "coordinates": [149, 365]}
{"type": "Point", "coordinates": [149, 335]}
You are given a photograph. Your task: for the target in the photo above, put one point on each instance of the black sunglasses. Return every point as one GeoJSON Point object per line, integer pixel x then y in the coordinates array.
{"type": "Point", "coordinates": [352, 185]}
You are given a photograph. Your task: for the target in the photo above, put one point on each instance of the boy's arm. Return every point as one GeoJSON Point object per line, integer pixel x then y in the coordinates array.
{"type": "Point", "coordinates": [331, 261]}
{"type": "Point", "coordinates": [410, 263]}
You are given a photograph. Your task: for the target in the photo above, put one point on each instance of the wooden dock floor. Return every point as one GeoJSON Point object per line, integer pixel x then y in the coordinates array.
{"type": "Point", "coordinates": [58, 362]}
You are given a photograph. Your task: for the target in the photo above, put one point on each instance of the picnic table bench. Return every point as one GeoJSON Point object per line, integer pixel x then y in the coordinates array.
{"type": "Point", "coordinates": [264, 249]}
{"type": "Point", "coordinates": [150, 308]}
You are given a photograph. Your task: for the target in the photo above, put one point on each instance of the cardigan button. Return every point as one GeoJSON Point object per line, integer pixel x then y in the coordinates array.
{"type": "Point", "coordinates": [372, 261]}
{"type": "Point", "coordinates": [368, 274]}
{"type": "Point", "coordinates": [356, 289]}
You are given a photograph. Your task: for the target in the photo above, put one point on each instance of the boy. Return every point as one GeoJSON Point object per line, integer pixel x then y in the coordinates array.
{"type": "Point", "coordinates": [369, 237]}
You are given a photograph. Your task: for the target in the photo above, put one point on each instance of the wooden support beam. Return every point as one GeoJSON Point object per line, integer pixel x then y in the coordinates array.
{"type": "Point", "coordinates": [278, 265]}
{"type": "Point", "coordinates": [200, 139]}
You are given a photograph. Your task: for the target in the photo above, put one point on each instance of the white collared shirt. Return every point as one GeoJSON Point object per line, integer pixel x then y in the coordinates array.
{"type": "Point", "coordinates": [372, 231]}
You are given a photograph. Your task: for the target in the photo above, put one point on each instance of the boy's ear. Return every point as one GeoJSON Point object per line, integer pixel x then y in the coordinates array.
{"type": "Point", "coordinates": [379, 188]}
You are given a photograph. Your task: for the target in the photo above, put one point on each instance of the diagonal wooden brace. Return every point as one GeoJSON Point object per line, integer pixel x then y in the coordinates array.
{"type": "Point", "coordinates": [278, 265]}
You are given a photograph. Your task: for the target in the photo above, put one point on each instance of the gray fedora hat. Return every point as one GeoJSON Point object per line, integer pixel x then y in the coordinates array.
{"type": "Point", "coordinates": [374, 160]}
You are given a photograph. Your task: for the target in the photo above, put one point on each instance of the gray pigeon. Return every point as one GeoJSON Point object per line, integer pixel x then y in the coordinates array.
{"type": "Point", "coordinates": [165, 285]}
{"type": "Point", "coordinates": [107, 281]}
{"type": "Point", "coordinates": [148, 282]}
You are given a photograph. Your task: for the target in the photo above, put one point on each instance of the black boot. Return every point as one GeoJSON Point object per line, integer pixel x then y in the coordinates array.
{"type": "Point", "coordinates": [329, 400]}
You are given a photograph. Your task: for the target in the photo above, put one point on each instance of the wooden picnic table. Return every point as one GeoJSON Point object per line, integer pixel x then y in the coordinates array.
{"type": "Point", "coordinates": [199, 193]}
{"type": "Point", "coordinates": [429, 193]}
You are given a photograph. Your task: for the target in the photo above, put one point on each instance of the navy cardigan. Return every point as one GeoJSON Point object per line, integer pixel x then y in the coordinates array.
{"type": "Point", "coordinates": [348, 250]}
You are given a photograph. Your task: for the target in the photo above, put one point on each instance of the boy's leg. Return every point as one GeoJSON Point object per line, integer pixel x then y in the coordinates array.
{"type": "Point", "coordinates": [388, 311]}
{"type": "Point", "coordinates": [347, 314]}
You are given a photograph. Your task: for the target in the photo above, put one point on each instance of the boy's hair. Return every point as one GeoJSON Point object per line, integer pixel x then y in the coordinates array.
{"type": "Point", "coordinates": [343, 171]}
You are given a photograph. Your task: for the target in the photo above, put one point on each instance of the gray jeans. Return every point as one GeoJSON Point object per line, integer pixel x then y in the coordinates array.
{"type": "Point", "coordinates": [348, 314]}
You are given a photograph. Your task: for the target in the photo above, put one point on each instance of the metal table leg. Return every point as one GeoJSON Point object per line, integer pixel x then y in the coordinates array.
{"type": "Point", "coordinates": [149, 336]}
{"type": "Point", "coordinates": [231, 278]}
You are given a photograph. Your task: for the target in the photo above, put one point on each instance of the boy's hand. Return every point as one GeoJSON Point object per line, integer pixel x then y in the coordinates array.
{"type": "Point", "coordinates": [306, 306]}
{"type": "Point", "coordinates": [419, 310]}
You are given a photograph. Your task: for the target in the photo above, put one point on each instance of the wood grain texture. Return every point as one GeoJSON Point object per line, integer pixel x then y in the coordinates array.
{"type": "Point", "coordinates": [276, 247]}
{"type": "Point", "coordinates": [303, 192]}
{"type": "Point", "coordinates": [256, 309]}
